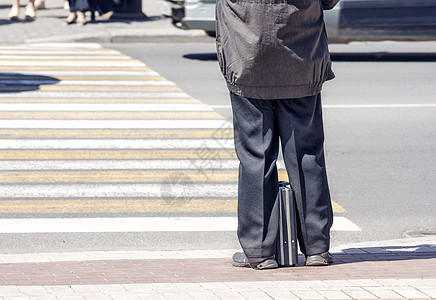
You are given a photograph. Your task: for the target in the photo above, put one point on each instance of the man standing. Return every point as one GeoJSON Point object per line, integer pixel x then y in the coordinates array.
{"type": "Point", "coordinates": [275, 58]}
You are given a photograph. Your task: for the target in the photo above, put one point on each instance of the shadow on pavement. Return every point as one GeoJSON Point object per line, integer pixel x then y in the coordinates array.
{"type": "Point", "coordinates": [391, 253]}
{"type": "Point", "coordinates": [350, 57]}
{"type": "Point", "coordinates": [384, 57]}
{"type": "Point", "coordinates": [16, 82]}
{"type": "Point", "coordinates": [201, 56]}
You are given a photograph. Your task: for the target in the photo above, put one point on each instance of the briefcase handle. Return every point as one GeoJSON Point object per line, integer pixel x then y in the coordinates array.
{"type": "Point", "coordinates": [284, 183]}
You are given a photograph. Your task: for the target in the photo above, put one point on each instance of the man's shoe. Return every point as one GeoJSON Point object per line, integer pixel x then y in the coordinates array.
{"type": "Point", "coordinates": [323, 259]}
{"type": "Point", "coordinates": [241, 260]}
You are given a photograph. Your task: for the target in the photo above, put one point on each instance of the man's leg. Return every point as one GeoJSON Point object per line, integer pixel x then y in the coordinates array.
{"type": "Point", "coordinates": [256, 143]}
{"type": "Point", "coordinates": [302, 136]}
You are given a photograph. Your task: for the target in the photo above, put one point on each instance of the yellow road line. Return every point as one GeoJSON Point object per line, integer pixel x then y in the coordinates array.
{"type": "Point", "coordinates": [97, 100]}
{"type": "Point", "coordinates": [129, 176]}
{"type": "Point", "coordinates": [61, 68]}
{"type": "Point", "coordinates": [62, 115]}
{"type": "Point", "coordinates": [105, 88]}
{"type": "Point", "coordinates": [337, 208]}
{"type": "Point", "coordinates": [31, 53]}
{"type": "Point", "coordinates": [118, 206]}
{"type": "Point", "coordinates": [115, 154]}
{"type": "Point", "coordinates": [72, 60]}
{"type": "Point", "coordinates": [116, 133]}
{"type": "Point", "coordinates": [61, 206]}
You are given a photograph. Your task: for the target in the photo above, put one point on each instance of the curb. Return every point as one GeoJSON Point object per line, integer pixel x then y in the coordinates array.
{"type": "Point", "coordinates": [136, 35]}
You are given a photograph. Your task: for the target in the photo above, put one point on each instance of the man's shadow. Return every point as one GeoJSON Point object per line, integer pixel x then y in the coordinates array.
{"type": "Point", "coordinates": [16, 82]}
{"type": "Point", "coordinates": [391, 253]}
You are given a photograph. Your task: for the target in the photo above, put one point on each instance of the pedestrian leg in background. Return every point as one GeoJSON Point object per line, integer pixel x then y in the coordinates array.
{"type": "Point", "coordinates": [302, 137]}
{"type": "Point", "coordinates": [257, 144]}
{"type": "Point", "coordinates": [29, 12]}
{"type": "Point", "coordinates": [39, 4]}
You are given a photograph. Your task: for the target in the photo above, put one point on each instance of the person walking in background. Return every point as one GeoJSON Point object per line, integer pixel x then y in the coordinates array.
{"type": "Point", "coordinates": [29, 12]}
{"type": "Point", "coordinates": [78, 9]}
{"type": "Point", "coordinates": [274, 57]}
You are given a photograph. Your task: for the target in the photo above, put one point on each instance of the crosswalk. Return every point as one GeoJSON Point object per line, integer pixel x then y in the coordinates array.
{"type": "Point", "coordinates": [84, 129]}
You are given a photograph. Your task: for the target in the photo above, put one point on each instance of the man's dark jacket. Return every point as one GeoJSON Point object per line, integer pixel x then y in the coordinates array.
{"type": "Point", "coordinates": [273, 49]}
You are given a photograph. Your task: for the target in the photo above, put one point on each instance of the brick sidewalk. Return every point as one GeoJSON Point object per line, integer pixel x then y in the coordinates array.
{"type": "Point", "coordinates": [402, 271]}
{"type": "Point", "coordinates": [48, 28]}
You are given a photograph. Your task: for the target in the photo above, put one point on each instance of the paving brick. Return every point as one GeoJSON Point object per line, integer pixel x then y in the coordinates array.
{"type": "Point", "coordinates": [308, 295]}
{"type": "Point", "coordinates": [282, 295]}
{"type": "Point", "coordinates": [85, 289]}
{"type": "Point", "coordinates": [9, 291]}
{"type": "Point", "coordinates": [365, 282]}
{"type": "Point", "coordinates": [354, 251]}
{"type": "Point", "coordinates": [77, 297]}
{"type": "Point", "coordinates": [303, 285]}
{"type": "Point", "coordinates": [412, 294]}
{"type": "Point", "coordinates": [384, 293]}
{"type": "Point", "coordinates": [431, 292]}
{"type": "Point", "coordinates": [226, 294]}
{"type": "Point", "coordinates": [176, 295]}
{"type": "Point", "coordinates": [334, 295]}
{"type": "Point", "coordinates": [339, 283]}
{"type": "Point", "coordinates": [150, 296]}
{"type": "Point", "coordinates": [33, 291]}
{"type": "Point", "coordinates": [267, 285]}
{"type": "Point", "coordinates": [126, 296]}
{"type": "Point", "coordinates": [111, 289]}
{"type": "Point", "coordinates": [44, 297]}
{"type": "Point", "coordinates": [258, 295]}
{"type": "Point", "coordinates": [203, 295]}
{"type": "Point", "coordinates": [241, 286]}
{"type": "Point", "coordinates": [358, 293]}
{"type": "Point", "coordinates": [137, 288]}
{"type": "Point", "coordinates": [60, 290]}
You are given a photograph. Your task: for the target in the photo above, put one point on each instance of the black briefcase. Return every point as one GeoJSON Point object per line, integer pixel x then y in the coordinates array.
{"type": "Point", "coordinates": [287, 254]}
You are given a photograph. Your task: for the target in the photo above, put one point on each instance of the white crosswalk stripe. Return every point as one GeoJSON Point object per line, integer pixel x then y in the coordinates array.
{"type": "Point", "coordinates": [64, 111]}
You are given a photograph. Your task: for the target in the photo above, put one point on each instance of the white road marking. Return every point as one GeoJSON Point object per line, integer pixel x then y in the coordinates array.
{"type": "Point", "coordinates": [114, 124]}
{"type": "Point", "coordinates": [398, 105]}
{"type": "Point", "coordinates": [139, 190]}
{"type": "Point", "coordinates": [80, 73]}
{"type": "Point", "coordinates": [89, 63]}
{"type": "Point", "coordinates": [146, 224]}
{"type": "Point", "coordinates": [60, 46]}
{"type": "Point", "coordinates": [343, 224]}
{"type": "Point", "coordinates": [150, 224]}
{"type": "Point", "coordinates": [105, 107]}
{"type": "Point", "coordinates": [136, 164]}
{"type": "Point", "coordinates": [17, 82]}
{"type": "Point", "coordinates": [170, 164]}
{"type": "Point", "coordinates": [91, 95]}
{"type": "Point", "coordinates": [195, 144]}
{"type": "Point", "coordinates": [57, 53]}
{"type": "Point", "coordinates": [103, 56]}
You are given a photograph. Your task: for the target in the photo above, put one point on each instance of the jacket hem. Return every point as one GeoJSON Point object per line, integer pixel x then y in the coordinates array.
{"type": "Point", "coordinates": [273, 93]}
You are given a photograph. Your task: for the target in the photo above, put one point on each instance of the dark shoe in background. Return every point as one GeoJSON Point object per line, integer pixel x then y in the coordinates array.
{"type": "Point", "coordinates": [323, 259]}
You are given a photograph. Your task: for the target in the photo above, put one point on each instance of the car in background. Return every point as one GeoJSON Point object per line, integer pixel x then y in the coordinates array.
{"type": "Point", "coordinates": [350, 20]}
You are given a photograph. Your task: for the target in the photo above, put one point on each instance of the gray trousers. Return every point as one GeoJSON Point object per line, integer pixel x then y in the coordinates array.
{"type": "Point", "coordinates": [258, 126]}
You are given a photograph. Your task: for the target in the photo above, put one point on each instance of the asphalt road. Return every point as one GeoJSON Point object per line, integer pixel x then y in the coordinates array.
{"type": "Point", "coordinates": [380, 120]}
{"type": "Point", "coordinates": [380, 144]}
